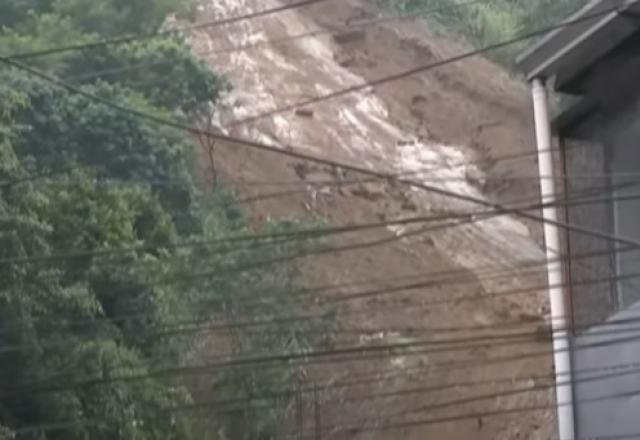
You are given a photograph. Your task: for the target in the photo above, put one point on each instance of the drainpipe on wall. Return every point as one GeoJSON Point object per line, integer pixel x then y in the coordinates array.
{"type": "Point", "coordinates": [557, 295]}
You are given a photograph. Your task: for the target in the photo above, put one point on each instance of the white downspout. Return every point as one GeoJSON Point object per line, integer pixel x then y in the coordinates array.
{"type": "Point", "coordinates": [557, 295]}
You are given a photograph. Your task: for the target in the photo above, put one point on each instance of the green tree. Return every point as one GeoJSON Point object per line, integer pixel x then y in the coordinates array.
{"type": "Point", "coordinates": [164, 70]}
{"type": "Point", "coordinates": [114, 195]}
{"type": "Point", "coordinates": [105, 18]}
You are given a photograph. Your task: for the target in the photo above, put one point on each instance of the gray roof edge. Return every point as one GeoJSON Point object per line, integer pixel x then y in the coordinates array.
{"type": "Point", "coordinates": [537, 60]}
{"type": "Point", "coordinates": [523, 57]}
{"type": "Point", "coordinates": [553, 63]}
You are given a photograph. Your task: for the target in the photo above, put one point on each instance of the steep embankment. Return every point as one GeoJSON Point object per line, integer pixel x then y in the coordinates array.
{"type": "Point", "coordinates": [452, 128]}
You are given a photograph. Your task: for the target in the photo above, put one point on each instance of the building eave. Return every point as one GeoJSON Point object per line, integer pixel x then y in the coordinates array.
{"type": "Point", "coordinates": [564, 54]}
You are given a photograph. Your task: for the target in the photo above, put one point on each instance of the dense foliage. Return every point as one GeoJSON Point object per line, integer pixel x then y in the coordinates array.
{"type": "Point", "coordinates": [492, 21]}
{"type": "Point", "coordinates": [108, 246]}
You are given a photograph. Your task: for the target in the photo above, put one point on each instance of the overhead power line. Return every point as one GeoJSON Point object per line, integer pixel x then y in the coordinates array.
{"type": "Point", "coordinates": [430, 283]}
{"type": "Point", "coordinates": [618, 369]}
{"type": "Point", "coordinates": [508, 328]}
{"type": "Point", "coordinates": [391, 425]}
{"type": "Point", "coordinates": [500, 210]}
{"type": "Point", "coordinates": [421, 69]}
{"type": "Point", "coordinates": [369, 380]}
{"type": "Point", "coordinates": [621, 371]}
{"type": "Point", "coordinates": [433, 406]}
{"type": "Point", "coordinates": [435, 346]}
{"type": "Point", "coordinates": [213, 275]}
{"type": "Point", "coordinates": [308, 187]}
{"type": "Point", "coordinates": [459, 402]}
{"type": "Point", "coordinates": [182, 328]}
{"type": "Point", "coordinates": [430, 421]}
{"type": "Point", "coordinates": [398, 289]}
{"type": "Point", "coordinates": [161, 33]}
{"type": "Point", "coordinates": [454, 165]}
{"type": "Point", "coordinates": [344, 354]}
{"type": "Point", "coordinates": [309, 233]}
{"type": "Point", "coordinates": [277, 238]}
{"type": "Point", "coordinates": [578, 198]}
{"type": "Point", "coordinates": [282, 40]}
{"type": "Point", "coordinates": [364, 380]}
{"type": "Point", "coordinates": [419, 283]}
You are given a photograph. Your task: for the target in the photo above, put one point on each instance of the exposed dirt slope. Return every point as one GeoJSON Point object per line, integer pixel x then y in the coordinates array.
{"type": "Point", "coordinates": [450, 128]}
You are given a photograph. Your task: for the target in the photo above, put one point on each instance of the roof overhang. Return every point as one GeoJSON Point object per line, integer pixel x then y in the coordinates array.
{"type": "Point", "coordinates": [567, 52]}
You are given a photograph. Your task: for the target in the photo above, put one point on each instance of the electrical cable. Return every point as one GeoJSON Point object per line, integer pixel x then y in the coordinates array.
{"type": "Point", "coordinates": [292, 319]}
{"type": "Point", "coordinates": [575, 200]}
{"type": "Point", "coordinates": [460, 401]}
{"type": "Point", "coordinates": [353, 430]}
{"type": "Point", "coordinates": [278, 41]}
{"type": "Point", "coordinates": [440, 342]}
{"type": "Point", "coordinates": [303, 191]}
{"type": "Point", "coordinates": [375, 292]}
{"type": "Point", "coordinates": [424, 68]}
{"type": "Point", "coordinates": [432, 420]}
{"type": "Point", "coordinates": [626, 370]}
{"type": "Point", "coordinates": [624, 367]}
{"type": "Point", "coordinates": [306, 234]}
{"type": "Point", "coordinates": [394, 374]}
{"type": "Point", "coordinates": [365, 171]}
{"type": "Point", "coordinates": [183, 329]}
{"type": "Point", "coordinates": [435, 279]}
{"type": "Point", "coordinates": [357, 353]}
{"type": "Point", "coordinates": [160, 33]}
{"type": "Point", "coordinates": [454, 165]}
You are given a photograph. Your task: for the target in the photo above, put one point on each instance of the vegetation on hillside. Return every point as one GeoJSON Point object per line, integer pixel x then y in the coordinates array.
{"type": "Point", "coordinates": [111, 254]}
{"type": "Point", "coordinates": [491, 21]}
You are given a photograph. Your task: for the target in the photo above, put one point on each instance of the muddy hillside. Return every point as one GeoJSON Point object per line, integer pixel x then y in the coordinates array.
{"type": "Point", "coordinates": [464, 127]}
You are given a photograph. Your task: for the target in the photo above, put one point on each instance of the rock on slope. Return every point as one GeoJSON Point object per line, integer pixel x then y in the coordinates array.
{"type": "Point", "coordinates": [463, 127]}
